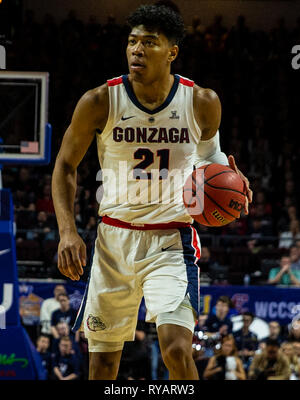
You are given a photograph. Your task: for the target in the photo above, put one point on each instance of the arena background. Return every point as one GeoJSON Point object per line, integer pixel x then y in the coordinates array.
{"type": "Point", "coordinates": [248, 62]}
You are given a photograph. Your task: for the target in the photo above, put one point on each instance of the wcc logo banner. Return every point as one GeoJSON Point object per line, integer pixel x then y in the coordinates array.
{"type": "Point", "coordinates": [266, 302]}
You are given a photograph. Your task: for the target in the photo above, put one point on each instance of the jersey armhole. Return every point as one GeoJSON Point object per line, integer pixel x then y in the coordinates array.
{"type": "Point", "coordinates": [197, 127]}
{"type": "Point", "coordinates": [110, 116]}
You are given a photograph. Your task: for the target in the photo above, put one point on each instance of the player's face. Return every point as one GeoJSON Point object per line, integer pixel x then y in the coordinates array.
{"type": "Point", "coordinates": [149, 54]}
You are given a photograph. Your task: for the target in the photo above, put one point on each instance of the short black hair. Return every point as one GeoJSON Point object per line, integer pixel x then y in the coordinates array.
{"type": "Point", "coordinates": [272, 342]}
{"type": "Point", "coordinates": [161, 18]}
{"type": "Point", "coordinates": [248, 314]}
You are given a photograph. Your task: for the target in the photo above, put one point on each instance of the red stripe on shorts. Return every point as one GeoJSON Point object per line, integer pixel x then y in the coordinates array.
{"type": "Point", "coordinates": [143, 227]}
{"type": "Point", "coordinates": [195, 244]}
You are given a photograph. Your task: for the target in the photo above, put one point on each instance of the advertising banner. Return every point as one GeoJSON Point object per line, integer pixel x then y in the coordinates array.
{"type": "Point", "coordinates": [266, 302]}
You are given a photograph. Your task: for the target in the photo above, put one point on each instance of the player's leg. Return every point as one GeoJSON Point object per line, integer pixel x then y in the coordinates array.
{"type": "Point", "coordinates": [104, 366]}
{"type": "Point", "coordinates": [175, 333]}
{"type": "Point", "coordinates": [109, 309]}
{"type": "Point", "coordinates": [104, 360]}
{"type": "Point", "coordinates": [171, 290]}
{"type": "Point", "coordinates": [176, 348]}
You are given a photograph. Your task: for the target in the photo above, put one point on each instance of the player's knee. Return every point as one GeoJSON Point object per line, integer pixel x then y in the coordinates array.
{"type": "Point", "coordinates": [103, 364]}
{"type": "Point", "coordinates": [176, 352]}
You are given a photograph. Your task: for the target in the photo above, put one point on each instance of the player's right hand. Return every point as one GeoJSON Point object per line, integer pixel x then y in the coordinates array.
{"type": "Point", "coordinates": [71, 255]}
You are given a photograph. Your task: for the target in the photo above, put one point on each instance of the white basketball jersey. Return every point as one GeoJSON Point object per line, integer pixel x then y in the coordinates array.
{"type": "Point", "coordinates": [146, 155]}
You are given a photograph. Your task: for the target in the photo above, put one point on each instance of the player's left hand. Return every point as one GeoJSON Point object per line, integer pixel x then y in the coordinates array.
{"type": "Point", "coordinates": [249, 192]}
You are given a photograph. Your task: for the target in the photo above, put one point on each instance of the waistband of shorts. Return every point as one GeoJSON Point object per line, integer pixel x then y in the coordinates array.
{"type": "Point", "coordinates": [143, 227]}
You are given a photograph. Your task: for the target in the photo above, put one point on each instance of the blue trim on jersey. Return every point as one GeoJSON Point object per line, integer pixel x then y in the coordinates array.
{"type": "Point", "coordinates": [191, 268]}
{"type": "Point", "coordinates": [135, 101]}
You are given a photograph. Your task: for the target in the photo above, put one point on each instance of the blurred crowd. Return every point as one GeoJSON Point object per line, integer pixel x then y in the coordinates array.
{"type": "Point", "coordinates": [251, 72]}
{"type": "Point", "coordinates": [226, 346]}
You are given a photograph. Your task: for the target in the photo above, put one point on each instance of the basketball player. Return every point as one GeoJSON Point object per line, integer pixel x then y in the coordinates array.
{"type": "Point", "coordinates": [148, 119]}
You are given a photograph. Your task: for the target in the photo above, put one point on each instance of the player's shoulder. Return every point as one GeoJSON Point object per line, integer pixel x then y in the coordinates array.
{"type": "Point", "coordinates": [207, 111]}
{"type": "Point", "coordinates": [204, 96]}
{"type": "Point", "coordinates": [94, 104]}
{"type": "Point", "coordinates": [96, 96]}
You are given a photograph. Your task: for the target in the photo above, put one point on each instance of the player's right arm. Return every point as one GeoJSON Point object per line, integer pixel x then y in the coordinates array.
{"type": "Point", "coordinates": [90, 114]}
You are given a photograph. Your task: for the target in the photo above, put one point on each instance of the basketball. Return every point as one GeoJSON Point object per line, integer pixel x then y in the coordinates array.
{"type": "Point", "coordinates": [214, 195]}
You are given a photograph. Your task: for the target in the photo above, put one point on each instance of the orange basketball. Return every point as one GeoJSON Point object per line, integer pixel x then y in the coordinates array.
{"type": "Point", "coordinates": [214, 195]}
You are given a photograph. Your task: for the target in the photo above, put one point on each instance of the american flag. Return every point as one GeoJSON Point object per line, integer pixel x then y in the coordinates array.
{"type": "Point", "coordinates": [29, 147]}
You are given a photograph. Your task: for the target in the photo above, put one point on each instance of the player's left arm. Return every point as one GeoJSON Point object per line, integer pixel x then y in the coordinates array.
{"type": "Point", "coordinates": [207, 112]}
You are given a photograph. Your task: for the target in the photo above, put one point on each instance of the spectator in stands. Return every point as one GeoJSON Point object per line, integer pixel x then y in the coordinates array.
{"type": "Point", "coordinates": [47, 308]}
{"type": "Point", "coordinates": [63, 329]}
{"type": "Point", "coordinates": [201, 323]}
{"type": "Point", "coordinates": [90, 229]}
{"type": "Point", "coordinates": [294, 364]}
{"type": "Point", "coordinates": [225, 365]}
{"type": "Point", "coordinates": [296, 347]}
{"type": "Point", "coordinates": [84, 355]}
{"type": "Point", "coordinates": [220, 323]}
{"type": "Point", "coordinates": [42, 347]}
{"type": "Point", "coordinates": [65, 313]}
{"type": "Point", "coordinates": [287, 216]}
{"type": "Point", "coordinates": [274, 332]}
{"type": "Point", "coordinates": [258, 229]}
{"type": "Point", "coordinates": [41, 224]}
{"type": "Point", "coordinates": [201, 337]}
{"type": "Point", "coordinates": [246, 341]}
{"type": "Point", "coordinates": [260, 198]}
{"type": "Point", "coordinates": [285, 274]}
{"type": "Point", "coordinates": [78, 216]}
{"type": "Point", "coordinates": [294, 331]}
{"type": "Point", "coordinates": [65, 365]}
{"type": "Point", "coordinates": [295, 255]}
{"type": "Point", "coordinates": [270, 365]}
{"type": "Point", "coordinates": [155, 354]}
{"type": "Point", "coordinates": [286, 239]}
{"type": "Point", "coordinates": [45, 203]}
{"type": "Point", "coordinates": [136, 362]}
{"type": "Point", "coordinates": [297, 244]}
{"type": "Point", "coordinates": [210, 267]}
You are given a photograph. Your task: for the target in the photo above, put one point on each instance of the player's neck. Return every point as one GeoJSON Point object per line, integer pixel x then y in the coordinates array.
{"type": "Point", "coordinates": [153, 94]}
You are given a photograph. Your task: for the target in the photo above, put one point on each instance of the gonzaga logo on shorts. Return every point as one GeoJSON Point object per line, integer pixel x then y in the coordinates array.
{"type": "Point", "coordinates": [95, 324]}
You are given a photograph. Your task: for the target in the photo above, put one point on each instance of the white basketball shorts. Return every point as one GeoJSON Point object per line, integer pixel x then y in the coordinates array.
{"type": "Point", "coordinates": [159, 264]}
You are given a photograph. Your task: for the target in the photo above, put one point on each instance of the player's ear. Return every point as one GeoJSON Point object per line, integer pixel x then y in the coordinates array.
{"type": "Point", "coordinates": [173, 52]}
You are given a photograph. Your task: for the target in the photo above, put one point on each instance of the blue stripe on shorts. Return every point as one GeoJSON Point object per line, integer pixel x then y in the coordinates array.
{"type": "Point", "coordinates": [192, 269]}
